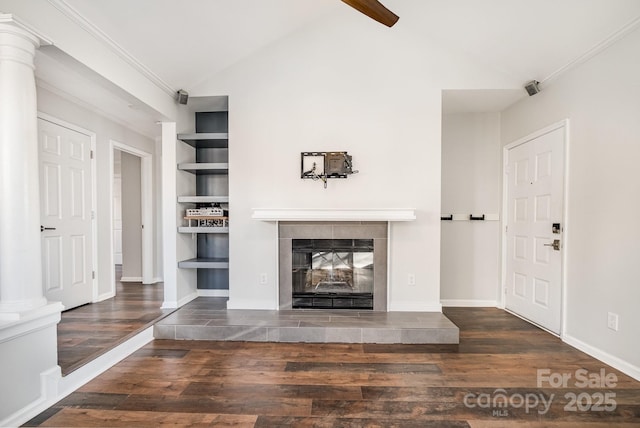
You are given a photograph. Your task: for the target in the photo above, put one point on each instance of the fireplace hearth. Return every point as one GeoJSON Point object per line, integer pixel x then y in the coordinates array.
{"type": "Point", "coordinates": [332, 273]}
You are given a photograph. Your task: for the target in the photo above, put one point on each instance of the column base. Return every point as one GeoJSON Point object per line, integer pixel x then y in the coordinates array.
{"type": "Point", "coordinates": [15, 311]}
{"type": "Point", "coordinates": [21, 316]}
{"type": "Point", "coordinates": [29, 369]}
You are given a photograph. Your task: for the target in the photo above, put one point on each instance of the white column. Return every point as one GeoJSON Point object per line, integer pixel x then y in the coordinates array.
{"type": "Point", "coordinates": [169, 216]}
{"type": "Point", "coordinates": [20, 258]}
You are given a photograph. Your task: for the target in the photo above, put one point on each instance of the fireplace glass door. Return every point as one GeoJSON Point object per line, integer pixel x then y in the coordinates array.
{"type": "Point", "coordinates": [332, 273]}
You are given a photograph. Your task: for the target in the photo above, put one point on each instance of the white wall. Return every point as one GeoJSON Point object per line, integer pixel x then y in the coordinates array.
{"type": "Point", "coordinates": [131, 218]}
{"type": "Point", "coordinates": [117, 207]}
{"type": "Point", "coordinates": [344, 85]}
{"type": "Point", "coordinates": [470, 250]}
{"type": "Point", "coordinates": [105, 130]}
{"type": "Point", "coordinates": [602, 100]}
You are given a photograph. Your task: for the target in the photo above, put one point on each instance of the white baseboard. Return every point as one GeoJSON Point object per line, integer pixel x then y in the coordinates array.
{"type": "Point", "coordinates": [468, 303]}
{"type": "Point", "coordinates": [174, 304]}
{"type": "Point", "coordinates": [131, 279]}
{"type": "Point", "coordinates": [415, 307]}
{"type": "Point", "coordinates": [54, 387]}
{"type": "Point", "coordinates": [187, 299]}
{"type": "Point", "coordinates": [615, 362]}
{"type": "Point", "coordinates": [213, 293]}
{"type": "Point", "coordinates": [105, 296]}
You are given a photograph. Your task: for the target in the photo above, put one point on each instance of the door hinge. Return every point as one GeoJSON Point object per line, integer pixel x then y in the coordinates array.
{"type": "Point", "coordinates": [93, 215]}
{"type": "Point", "coordinates": [91, 154]}
{"type": "Point", "coordinates": [93, 274]}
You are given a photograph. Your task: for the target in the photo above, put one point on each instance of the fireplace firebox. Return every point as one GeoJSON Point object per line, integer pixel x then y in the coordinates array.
{"type": "Point", "coordinates": [332, 273]}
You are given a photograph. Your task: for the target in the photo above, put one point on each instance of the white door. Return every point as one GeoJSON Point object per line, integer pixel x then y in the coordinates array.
{"type": "Point", "coordinates": [65, 206]}
{"type": "Point", "coordinates": [535, 187]}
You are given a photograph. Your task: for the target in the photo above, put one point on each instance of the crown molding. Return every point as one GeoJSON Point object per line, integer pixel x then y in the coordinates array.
{"type": "Point", "coordinates": [8, 18]}
{"type": "Point", "coordinates": [595, 50]}
{"type": "Point", "coordinates": [100, 35]}
{"type": "Point", "coordinates": [90, 107]}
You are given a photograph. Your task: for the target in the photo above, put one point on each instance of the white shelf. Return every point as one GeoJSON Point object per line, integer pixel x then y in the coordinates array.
{"type": "Point", "coordinates": [203, 199]}
{"type": "Point", "coordinates": [215, 263]}
{"type": "Point", "coordinates": [206, 140]}
{"type": "Point", "coordinates": [287, 214]}
{"type": "Point", "coordinates": [204, 168]}
{"type": "Point", "coordinates": [195, 229]}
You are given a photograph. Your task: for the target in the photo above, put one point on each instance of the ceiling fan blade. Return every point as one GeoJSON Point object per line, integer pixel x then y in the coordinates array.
{"type": "Point", "coordinates": [374, 10]}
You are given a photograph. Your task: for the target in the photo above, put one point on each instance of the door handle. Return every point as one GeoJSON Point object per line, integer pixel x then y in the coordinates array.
{"type": "Point", "coordinates": [555, 244]}
{"type": "Point", "coordinates": [42, 228]}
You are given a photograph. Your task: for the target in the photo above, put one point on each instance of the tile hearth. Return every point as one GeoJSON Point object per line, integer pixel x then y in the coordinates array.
{"type": "Point", "coordinates": [207, 318]}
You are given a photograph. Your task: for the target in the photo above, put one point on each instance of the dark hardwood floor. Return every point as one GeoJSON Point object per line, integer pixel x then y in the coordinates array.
{"type": "Point", "coordinates": [204, 383]}
{"type": "Point", "coordinates": [90, 330]}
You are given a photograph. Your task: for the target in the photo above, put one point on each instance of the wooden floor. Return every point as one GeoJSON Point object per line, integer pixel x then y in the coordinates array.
{"type": "Point", "coordinates": [90, 330]}
{"type": "Point", "coordinates": [206, 383]}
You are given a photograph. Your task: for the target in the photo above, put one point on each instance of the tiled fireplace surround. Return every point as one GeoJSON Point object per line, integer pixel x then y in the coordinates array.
{"type": "Point", "coordinates": [287, 231]}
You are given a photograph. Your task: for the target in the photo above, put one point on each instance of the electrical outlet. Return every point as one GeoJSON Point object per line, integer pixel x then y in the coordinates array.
{"type": "Point", "coordinates": [411, 279]}
{"type": "Point", "coordinates": [263, 279]}
{"type": "Point", "coordinates": [612, 321]}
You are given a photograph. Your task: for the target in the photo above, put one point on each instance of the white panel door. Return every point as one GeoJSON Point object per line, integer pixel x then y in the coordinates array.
{"type": "Point", "coordinates": [535, 188]}
{"type": "Point", "coordinates": [65, 205]}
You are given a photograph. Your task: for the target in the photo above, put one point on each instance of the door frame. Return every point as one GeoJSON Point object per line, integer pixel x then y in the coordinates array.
{"type": "Point", "coordinates": [94, 195]}
{"type": "Point", "coordinates": [563, 124]}
{"type": "Point", "coordinates": [146, 209]}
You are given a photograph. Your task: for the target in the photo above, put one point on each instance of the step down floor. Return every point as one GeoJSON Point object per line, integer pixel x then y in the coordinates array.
{"type": "Point", "coordinates": [206, 318]}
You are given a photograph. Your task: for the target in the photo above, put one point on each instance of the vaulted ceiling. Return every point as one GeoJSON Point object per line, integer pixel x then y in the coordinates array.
{"type": "Point", "coordinates": [184, 42]}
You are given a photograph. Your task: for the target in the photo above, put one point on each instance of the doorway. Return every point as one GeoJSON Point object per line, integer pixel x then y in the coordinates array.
{"type": "Point", "coordinates": [136, 236]}
{"type": "Point", "coordinates": [127, 217]}
{"type": "Point", "coordinates": [533, 242]}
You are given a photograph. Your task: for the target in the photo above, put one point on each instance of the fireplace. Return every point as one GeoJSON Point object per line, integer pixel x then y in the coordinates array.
{"type": "Point", "coordinates": [332, 273]}
{"type": "Point", "coordinates": [333, 265]}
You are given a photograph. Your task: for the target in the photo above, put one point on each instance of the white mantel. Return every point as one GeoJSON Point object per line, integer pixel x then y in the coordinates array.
{"type": "Point", "coordinates": [293, 214]}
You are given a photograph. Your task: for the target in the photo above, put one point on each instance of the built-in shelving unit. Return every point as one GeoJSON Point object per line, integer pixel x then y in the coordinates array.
{"type": "Point", "coordinates": [211, 168]}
